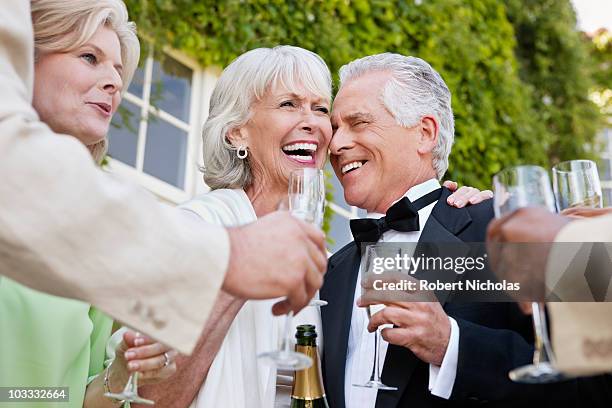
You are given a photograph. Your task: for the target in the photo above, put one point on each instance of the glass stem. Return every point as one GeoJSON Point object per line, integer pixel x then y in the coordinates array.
{"type": "Point", "coordinates": [543, 351]}
{"type": "Point", "coordinates": [286, 346]}
{"type": "Point", "coordinates": [375, 370]}
{"type": "Point", "coordinates": [135, 383]}
{"type": "Point", "coordinates": [129, 385]}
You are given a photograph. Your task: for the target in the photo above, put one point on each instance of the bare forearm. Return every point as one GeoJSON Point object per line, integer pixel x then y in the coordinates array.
{"type": "Point", "coordinates": [180, 390]}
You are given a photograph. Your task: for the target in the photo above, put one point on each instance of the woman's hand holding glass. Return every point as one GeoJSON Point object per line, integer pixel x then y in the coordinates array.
{"type": "Point", "coordinates": [306, 201]}
{"type": "Point", "coordinates": [138, 360]}
{"type": "Point", "coordinates": [153, 361]}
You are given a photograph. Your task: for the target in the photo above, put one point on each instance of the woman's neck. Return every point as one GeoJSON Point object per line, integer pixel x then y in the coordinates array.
{"type": "Point", "coordinates": [264, 199]}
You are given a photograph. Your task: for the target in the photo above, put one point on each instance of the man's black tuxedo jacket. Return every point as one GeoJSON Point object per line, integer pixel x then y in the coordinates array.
{"type": "Point", "coordinates": [493, 337]}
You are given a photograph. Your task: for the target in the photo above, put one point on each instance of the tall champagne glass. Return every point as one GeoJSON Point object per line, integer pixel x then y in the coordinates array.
{"type": "Point", "coordinates": [315, 197]}
{"type": "Point", "coordinates": [306, 197]}
{"type": "Point", "coordinates": [517, 187]}
{"type": "Point", "coordinates": [371, 253]}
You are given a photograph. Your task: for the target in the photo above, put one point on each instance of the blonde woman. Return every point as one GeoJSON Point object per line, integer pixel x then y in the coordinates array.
{"type": "Point", "coordinates": [86, 53]}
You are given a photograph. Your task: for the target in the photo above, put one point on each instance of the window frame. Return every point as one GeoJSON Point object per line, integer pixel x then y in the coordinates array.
{"type": "Point", "coordinates": [606, 184]}
{"type": "Point", "coordinates": [202, 84]}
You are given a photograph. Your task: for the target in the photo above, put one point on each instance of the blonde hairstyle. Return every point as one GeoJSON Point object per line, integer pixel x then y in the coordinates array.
{"type": "Point", "coordinates": [243, 83]}
{"type": "Point", "coordinates": [63, 26]}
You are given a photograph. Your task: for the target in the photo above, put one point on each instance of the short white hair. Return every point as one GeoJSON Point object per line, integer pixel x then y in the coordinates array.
{"type": "Point", "coordinates": [414, 90]}
{"type": "Point", "coordinates": [243, 83]}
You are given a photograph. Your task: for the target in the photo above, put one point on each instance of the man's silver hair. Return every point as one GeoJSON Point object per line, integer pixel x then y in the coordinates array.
{"type": "Point", "coordinates": [415, 90]}
{"type": "Point", "coordinates": [243, 83]}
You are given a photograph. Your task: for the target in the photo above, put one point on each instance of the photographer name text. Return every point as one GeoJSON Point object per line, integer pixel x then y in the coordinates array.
{"type": "Point", "coordinates": [468, 285]}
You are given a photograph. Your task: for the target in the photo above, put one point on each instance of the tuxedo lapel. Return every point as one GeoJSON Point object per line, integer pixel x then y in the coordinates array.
{"type": "Point", "coordinates": [442, 226]}
{"type": "Point", "coordinates": [339, 291]}
{"type": "Point", "coordinates": [445, 221]}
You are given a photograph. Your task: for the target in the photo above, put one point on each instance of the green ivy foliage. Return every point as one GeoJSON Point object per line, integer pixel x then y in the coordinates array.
{"type": "Point", "coordinates": [601, 51]}
{"type": "Point", "coordinates": [556, 65]}
{"type": "Point", "coordinates": [518, 72]}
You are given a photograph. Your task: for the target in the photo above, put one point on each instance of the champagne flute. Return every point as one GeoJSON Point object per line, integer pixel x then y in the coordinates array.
{"type": "Point", "coordinates": [130, 392]}
{"type": "Point", "coordinates": [306, 201]}
{"type": "Point", "coordinates": [576, 184]}
{"type": "Point", "coordinates": [319, 222]}
{"type": "Point", "coordinates": [373, 252]}
{"type": "Point", "coordinates": [517, 187]}
{"type": "Point", "coordinates": [306, 191]}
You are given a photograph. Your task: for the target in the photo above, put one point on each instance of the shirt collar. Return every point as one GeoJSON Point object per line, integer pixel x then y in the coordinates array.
{"type": "Point", "coordinates": [413, 194]}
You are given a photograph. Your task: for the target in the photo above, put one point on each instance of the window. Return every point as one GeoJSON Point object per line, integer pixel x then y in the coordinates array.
{"type": "Point", "coordinates": [156, 138]}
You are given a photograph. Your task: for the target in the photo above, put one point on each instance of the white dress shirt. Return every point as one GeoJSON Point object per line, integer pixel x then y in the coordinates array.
{"type": "Point", "coordinates": [360, 352]}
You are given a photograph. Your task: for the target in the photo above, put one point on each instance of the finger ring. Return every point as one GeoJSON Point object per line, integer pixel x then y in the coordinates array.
{"type": "Point", "coordinates": [167, 362]}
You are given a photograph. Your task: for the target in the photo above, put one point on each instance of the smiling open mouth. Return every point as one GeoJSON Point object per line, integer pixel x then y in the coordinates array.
{"type": "Point", "coordinates": [354, 165]}
{"type": "Point", "coordinates": [301, 152]}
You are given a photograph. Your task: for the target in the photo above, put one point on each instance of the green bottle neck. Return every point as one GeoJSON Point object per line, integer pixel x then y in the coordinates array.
{"type": "Point", "coordinates": [307, 341]}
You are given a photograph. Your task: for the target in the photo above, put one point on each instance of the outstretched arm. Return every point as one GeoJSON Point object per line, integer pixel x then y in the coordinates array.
{"type": "Point", "coordinates": [180, 389]}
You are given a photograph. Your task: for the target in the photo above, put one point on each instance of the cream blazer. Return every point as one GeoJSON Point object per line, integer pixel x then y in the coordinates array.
{"type": "Point", "coordinates": [581, 331]}
{"type": "Point", "coordinates": [69, 229]}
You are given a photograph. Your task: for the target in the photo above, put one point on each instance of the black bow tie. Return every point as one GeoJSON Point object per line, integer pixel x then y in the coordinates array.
{"type": "Point", "coordinates": [402, 216]}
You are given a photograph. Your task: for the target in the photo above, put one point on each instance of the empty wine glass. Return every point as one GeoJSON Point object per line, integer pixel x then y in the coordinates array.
{"type": "Point", "coordinates": [306, 197]}
{"type": "Point", "coordinates": [517, 187]}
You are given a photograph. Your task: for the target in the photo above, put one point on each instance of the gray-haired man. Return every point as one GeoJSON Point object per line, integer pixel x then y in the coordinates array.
{"type": "Point", "coordinates": [393, 134]}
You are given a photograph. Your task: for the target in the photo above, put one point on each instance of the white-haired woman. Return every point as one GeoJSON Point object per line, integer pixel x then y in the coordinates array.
{"type": "Point", "coordinates": [86, 52]}
{"type": "Point", "coordinates": [269, 115]}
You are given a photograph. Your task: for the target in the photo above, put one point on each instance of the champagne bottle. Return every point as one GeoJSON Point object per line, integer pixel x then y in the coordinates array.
{"type": "Point", "coordinates": [307, 391]}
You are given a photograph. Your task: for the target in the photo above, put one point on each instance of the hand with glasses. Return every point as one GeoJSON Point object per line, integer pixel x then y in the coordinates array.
{"type": "Point", "coordinates": [574, 185]}
{"type": "Point", "coordinates": [299, 196]}
{"type": "Point", "coordinates": [516, 188]}
{"type": "Point", "coordinates": [139, 360]}
{"type": "Point", "coordinates": [372, 253]}
{"type": "Point", "coordinates": [306, 201]}
{"type": "Point", "coordinates": [412, 318]}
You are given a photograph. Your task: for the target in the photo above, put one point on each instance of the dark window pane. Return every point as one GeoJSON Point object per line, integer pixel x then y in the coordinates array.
{"type": "Point", "coordinates": [165, 152]}
{"type": "Point", "coordinates": [171, 88]}
{"type": "Point", "coordinates": [137, 85]}
{"type": "Point", "coordinates": [123, 133]}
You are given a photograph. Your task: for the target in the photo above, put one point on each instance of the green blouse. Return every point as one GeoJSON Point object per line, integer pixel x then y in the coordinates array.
{"type": "Point", "coordinates": [48, 341]}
